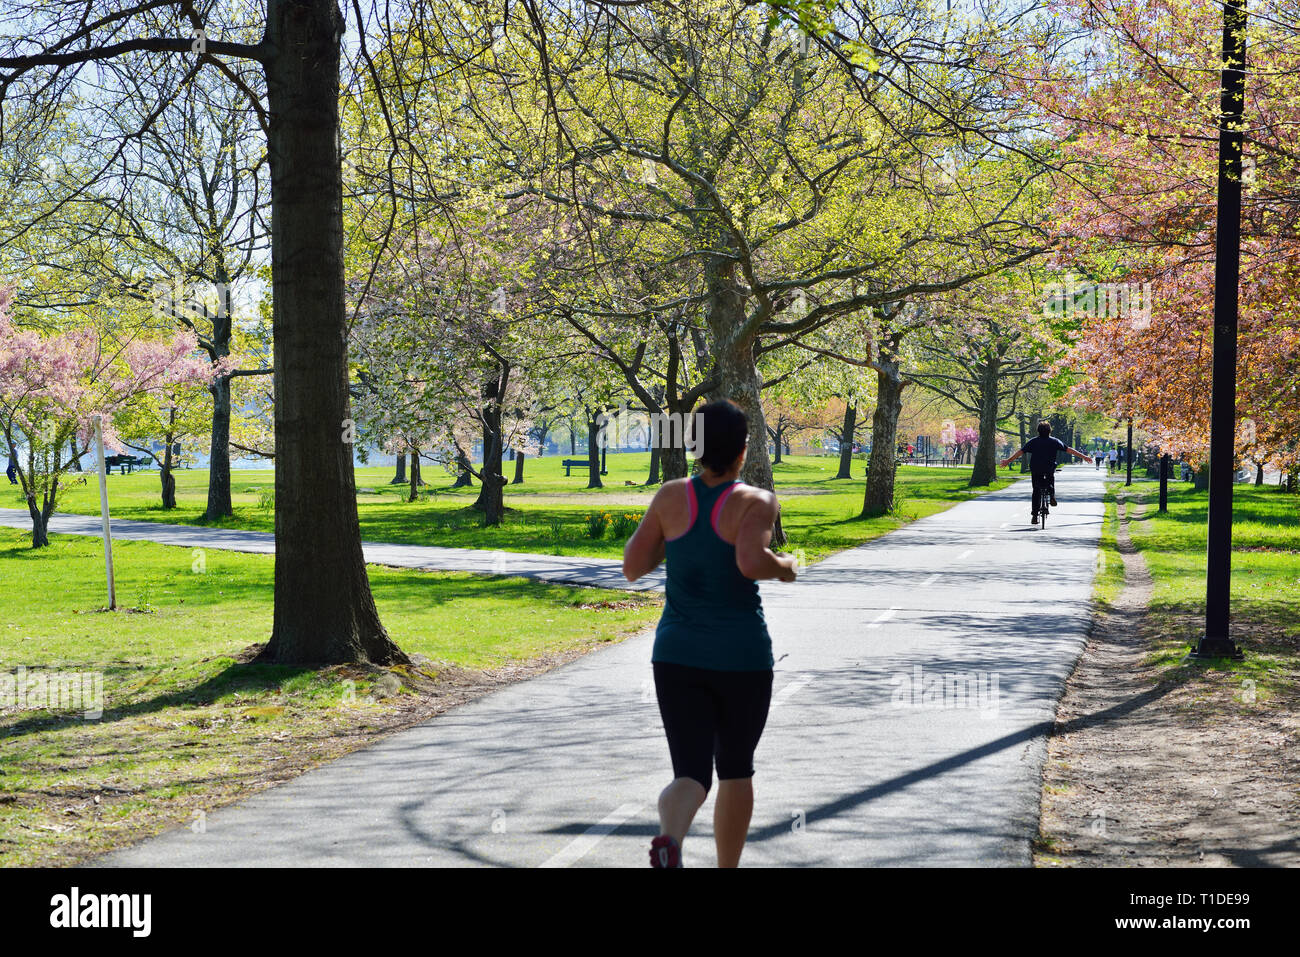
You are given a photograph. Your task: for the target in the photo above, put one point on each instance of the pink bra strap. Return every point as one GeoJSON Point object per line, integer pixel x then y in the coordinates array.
{"type": "Point", "coordinates": [693, 509]}
{"type": "Point", "coordinates": [722, 500]}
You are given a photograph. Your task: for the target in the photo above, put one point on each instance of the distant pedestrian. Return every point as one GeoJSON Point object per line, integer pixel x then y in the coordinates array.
{"type": "Point", "coordinates": [1111, 457]}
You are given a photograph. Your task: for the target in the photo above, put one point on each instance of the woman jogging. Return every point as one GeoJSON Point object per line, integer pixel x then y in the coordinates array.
{"type": "Point", "coordinates": [712, 655]}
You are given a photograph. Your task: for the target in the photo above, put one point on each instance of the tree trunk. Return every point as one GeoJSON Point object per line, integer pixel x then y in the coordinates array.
{"type": "Point", "coordinates": [654, 464]}
{"type": "Point", "coordinates": [879, 496]}
{"type": "Point", "coordinates": [165, 473]}
{"type": "Point", "coordinates": [847, 431]}
{"type": "Point", "coordinates": [593, 449]}
{"type": "Point", "coordinates": [573, 439]}
{"type": "Point", "coordinates": [1024, 437]}
{"type": "Point", "coordinates": [672, 452]}
{"type": "Point", "coordinates": [399, 477]}
{"type": "Point", "coordinates": [986, 455]}
{"type": "Point", "coordinates": [324, 610]}
{"type": "Point", "coordinates": [672, 460]}
{"type": "Point", "coordinates": [491, 501]}
{"type": "Point", "coordinates": [777, 436]}
{"type": "Point", "coordinates": [464, 479]}
{"type": "Point", "coordinates": [74, 455]}
{"type": "Point", "coordinates": [40, 522]}
{"type": "Point", "coordinates": [219, 505]}
{"type": "Point", "coordinates": [1259, 474]}
{"type": "Point", "coordinates": [415, 476]}
{"type": "Point", "coordinates": [519, 468]}
{"type": "Point", "coordinates": [739, 378]}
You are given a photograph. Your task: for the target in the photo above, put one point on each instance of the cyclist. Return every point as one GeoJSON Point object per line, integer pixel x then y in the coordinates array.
{"type": "Point", "coordinates": [1042, 451]}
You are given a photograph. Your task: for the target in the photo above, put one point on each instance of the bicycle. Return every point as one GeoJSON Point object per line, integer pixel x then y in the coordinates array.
{"type": "Point", "coordinates": [1041, 497]}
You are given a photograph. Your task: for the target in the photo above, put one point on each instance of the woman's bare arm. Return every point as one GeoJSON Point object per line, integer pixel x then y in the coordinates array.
{"type": "Point", "coordinates": [753, 556]}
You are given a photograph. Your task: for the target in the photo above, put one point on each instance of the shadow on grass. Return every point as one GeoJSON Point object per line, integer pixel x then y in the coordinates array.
{"type": "Point", "coordinates": [235, 678]}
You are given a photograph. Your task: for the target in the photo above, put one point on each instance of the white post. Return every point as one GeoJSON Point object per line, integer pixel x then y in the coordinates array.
{"type": "Point", "coordinates": [103, 511]}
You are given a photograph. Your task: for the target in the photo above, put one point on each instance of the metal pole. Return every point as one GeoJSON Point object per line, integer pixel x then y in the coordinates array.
{"type": "Point", "coordinates": [103, 512]}
{"type": "Point", "coordinates": [1164, 482]}
{"type": "Point", "coordinates": [1215, 642]}
{"type": "Point", "coordinates": [1128, 453]}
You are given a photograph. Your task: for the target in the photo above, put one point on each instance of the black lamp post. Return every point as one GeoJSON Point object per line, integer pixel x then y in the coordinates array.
{"type": "Point", "coordinates": [1215, 642]}
{"type": "Point", "coordinates": [1128, 452]}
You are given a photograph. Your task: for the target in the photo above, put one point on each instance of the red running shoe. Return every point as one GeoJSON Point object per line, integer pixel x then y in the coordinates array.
{"type": "Point", "coordinates": [665, 852]}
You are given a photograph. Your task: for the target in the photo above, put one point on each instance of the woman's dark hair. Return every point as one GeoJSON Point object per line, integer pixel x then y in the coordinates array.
{"type": "Point", "coordinates": [1044, 429]}
{"type": "Point", "coordinates": [720, 431]}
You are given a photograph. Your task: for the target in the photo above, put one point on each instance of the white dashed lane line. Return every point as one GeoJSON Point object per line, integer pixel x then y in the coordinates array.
{"type": "Point", "coordinates": [580, 846]}
{"type": "Point", "coordinates": [883, 617]}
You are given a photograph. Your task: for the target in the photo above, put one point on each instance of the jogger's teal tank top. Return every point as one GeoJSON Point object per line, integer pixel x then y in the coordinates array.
{"type": "Point", "coordinates": [713, 617]}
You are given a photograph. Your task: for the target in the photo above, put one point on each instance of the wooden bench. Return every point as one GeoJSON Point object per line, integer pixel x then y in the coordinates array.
{"type": "Point", "coordinates": [575, 464]}
{"type": "Point", "coordinates": [124, 463]}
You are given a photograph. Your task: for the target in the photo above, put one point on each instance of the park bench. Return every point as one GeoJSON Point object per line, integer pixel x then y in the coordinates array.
{"type": "Point", "coordinates": [124, 463]}
{"type": "Point", "coordinates": [575, 464]}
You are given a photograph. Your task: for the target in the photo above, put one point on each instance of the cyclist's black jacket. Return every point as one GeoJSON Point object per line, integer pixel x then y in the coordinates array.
{"type": "Point", "coordinates": [1042, 451]}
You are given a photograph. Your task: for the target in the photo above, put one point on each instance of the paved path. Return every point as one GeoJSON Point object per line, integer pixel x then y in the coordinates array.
{"type": "Point", "coordinates": [572, 569]}
{"type": "Point", "coordinates": [853, 769]}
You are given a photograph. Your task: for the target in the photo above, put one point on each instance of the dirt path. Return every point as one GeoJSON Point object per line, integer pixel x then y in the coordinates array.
{"type": "Point", "coordinates": [1173, 767]}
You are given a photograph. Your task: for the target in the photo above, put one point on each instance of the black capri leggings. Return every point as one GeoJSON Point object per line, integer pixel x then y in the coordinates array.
{"type": "Point", "coordinates": [712, 715]}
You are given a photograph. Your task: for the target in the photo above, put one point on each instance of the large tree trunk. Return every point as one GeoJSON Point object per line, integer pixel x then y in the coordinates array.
{"type": "Point", "coordinates": [846, 441]}
{"type": "Point", "coordinates": [672, 461]}
{"type": "Point", "coordinates": [777, 438]}
{"type": "Point", "coordinates": [324, 611]}
{"type": "Point", "coordinates": [986, 455]}
{"type": "Point", "coordinates": [740, 382]}
{"type": "Point", "coordinates": [519, 468]}
{"type": "Point", "coordinates": [573, 439]}
{"type": "Point", "coordinates": [672, 448]}
{"type": "Point", "coordinates": [399, 476]}
{"type": "Point", "coordinates": [653, 478]}
{"type": "Point", "coordinates": [879, 495]}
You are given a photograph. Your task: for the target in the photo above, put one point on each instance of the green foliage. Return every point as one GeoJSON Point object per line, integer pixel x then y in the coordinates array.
{"type": "Point", "coordinates": [597, 524]}
{"type": "Point", "coordinates": [624, 524]}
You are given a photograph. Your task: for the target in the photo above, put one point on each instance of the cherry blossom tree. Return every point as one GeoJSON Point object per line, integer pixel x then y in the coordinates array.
{"type": "Point", "coordinates": [53, 384]}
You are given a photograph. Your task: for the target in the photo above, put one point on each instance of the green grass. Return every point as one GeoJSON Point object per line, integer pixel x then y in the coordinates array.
{"type": "Point", "coordinates": [1265, 589]}
{"type": "Point", "coordinates": [187, 726]}
{"type": "Point", "coordinates": [820, 523]}
{"type": "Point", "coordinates": [1109, 581]}
{"type": "Point", "coordinates": [468, 620]}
